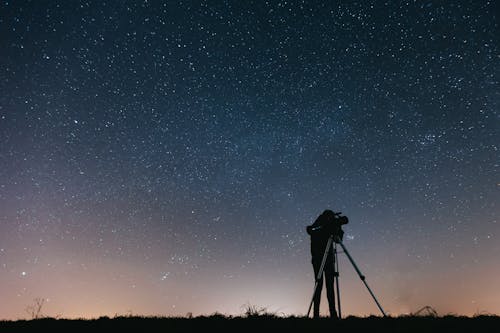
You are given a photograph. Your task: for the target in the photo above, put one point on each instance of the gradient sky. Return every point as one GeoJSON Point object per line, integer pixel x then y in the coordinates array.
{"type": "Point", "coordinates": [165, 158]}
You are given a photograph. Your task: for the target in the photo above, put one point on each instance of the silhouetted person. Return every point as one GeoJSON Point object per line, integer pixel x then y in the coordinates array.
{"type": "Point", "coordinates": [319, 240]}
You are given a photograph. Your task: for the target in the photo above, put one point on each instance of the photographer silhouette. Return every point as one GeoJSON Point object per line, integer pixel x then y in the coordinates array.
{"type": "Point", "coordinates": [319, 240]}
{"type": "Point", "coordinates": [326, 233]}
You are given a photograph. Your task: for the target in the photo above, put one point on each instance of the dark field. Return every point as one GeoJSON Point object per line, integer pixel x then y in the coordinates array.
{"type": "Point", "coordinates": [259, 324]}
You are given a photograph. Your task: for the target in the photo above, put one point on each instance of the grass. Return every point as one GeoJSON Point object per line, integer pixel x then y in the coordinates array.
{"type": "Point", "coordinates": [257, 322]}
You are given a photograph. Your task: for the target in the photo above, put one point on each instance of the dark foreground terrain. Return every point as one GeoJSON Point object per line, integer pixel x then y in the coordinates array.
{"type": "Point", "coordinates": [258, 324]}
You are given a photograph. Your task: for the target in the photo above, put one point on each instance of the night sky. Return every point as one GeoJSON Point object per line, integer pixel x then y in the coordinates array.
{"type": "Point", "coordinates": [165, 158]}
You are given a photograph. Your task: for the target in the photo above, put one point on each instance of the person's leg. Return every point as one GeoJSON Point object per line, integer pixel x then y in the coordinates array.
{"type": "Point", "coordinates": [317, 294]}
{"type": "Point", "coordinates": [329, 281]}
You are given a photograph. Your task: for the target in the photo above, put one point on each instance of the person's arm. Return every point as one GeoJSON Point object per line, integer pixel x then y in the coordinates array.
{"type": "Point", "coordinates": [315, 227]}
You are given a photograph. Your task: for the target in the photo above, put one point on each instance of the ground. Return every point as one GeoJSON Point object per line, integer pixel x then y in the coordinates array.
{"type": "Point", "coordinates": [219, 323]}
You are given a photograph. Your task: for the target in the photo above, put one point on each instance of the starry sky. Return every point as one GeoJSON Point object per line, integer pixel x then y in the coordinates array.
{"type": "Point", "coordinates": [165, 157]}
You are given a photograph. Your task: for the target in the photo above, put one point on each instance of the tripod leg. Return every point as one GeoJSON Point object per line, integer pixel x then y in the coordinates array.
{"type": "Point", "coordinates": [337, 279]}
{"type": "Point", "coordinates": [320, 273]}
{"type": "Point", "coordinates": [362, 277]}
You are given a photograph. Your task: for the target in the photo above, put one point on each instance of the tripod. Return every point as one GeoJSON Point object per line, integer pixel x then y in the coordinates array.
{"type": "Point", "coordinates": [333, 240]}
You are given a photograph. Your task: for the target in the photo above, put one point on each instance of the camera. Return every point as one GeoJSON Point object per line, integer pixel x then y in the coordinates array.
{"type": "Point", "coordinates": [334, 226]}
{"type": "Point", "coordinates": [340, 219]}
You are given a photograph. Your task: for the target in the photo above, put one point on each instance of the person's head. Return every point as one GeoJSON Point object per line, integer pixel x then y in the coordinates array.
{"type": "Point", "coordinates": [328, 214]}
